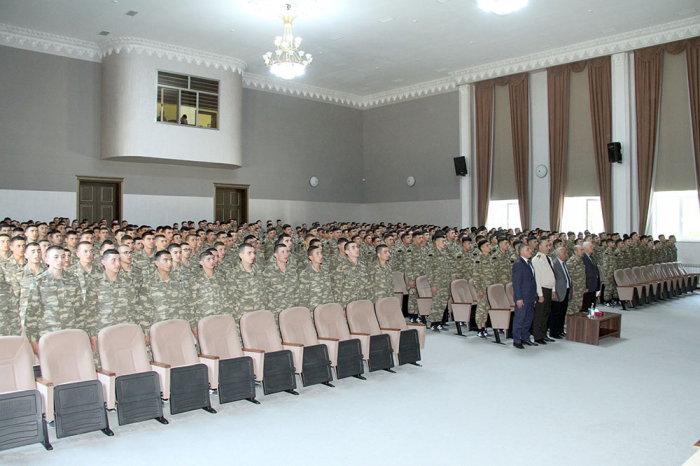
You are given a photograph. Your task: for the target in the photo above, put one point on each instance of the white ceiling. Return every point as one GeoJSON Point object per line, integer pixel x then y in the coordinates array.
{"type": "Point", "coordinates": [354, 52]}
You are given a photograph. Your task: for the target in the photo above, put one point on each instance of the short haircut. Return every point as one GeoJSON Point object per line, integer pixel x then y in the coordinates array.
{"type": "Point", "coordinates": [109, 252]}
{"type": "Point", "coordinates": [54, 248]}
{"type": "Point", "coordinates": [160, 254]}
{"type": "Point", "coordinates": [84, 243]}
{"type": "Point", "coordinates": [174, 246]}
{"type": "Point", "coordinates": [279, 246]}
{"type": "Point", "coordinates": [522, 246]}
{"type": "Point", "coordinates": [204, 254]}
{"type": "Point", "coordinates": [381, 248]}
{"type": "Point", "coordinates": [243, 247]}
{"type": "Point", "coordinates": [311, 250]}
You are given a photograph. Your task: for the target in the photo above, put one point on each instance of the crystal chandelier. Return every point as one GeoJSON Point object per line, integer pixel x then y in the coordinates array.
{"type": "Point", "coordinates": [502, 7]}
{"type": "Point", "coordinates": [287, 61]}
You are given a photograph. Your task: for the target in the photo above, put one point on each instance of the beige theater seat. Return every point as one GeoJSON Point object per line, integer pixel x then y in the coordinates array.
{"type": "Point", "coordinates": [625, 291]}
{"type": "Point", "coordinates": [406, 339]}
{"type": "Point", "coordinates": [331, 326]}
{"type": "Point", "coordinates": [499, 310]}
{"type": "Point", "coordinates": [376, 346]}
{"type": "Point", "coordinates": [641, 287]}
{"type": "Point", "coordinates": [657, 285]}
{"type": "Point", "coordinates": [462, 303]}
{"type": "Point", "coordinates": [22, 421]}
{"type": "Point", "coordinates": [311, 354]}
{"type": "Point", "coordinates": [693, 277]}
{"type": "Point", "coordinates": [261, 341]}
{"type": "Point", "coordinates": [235, 372]}
{"type": "Point", "coordinates": [509, 294]}
{"type": "Point", "coordinates": [184, 375]}
{"type": "Point", "coordinates": [425, 295]}
{"type": "Point", "coordinates": [67, 364]}
{"type": "Point", "coordinates": [639, 278]}
{"type": "Point", "coordinates": [125, 364]}
{"type": "Point", "coordinates": [400, 287]}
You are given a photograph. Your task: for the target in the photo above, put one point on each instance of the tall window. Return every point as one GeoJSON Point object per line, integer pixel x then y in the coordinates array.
{"type": "Point", "coordinates": [676, 213]}
{"type": "Point", "coordinates": [187, 100]}
{"type": "Point", "coordinates": [582, 213]}
{"type": "Point", "coordinates": [504, 214]}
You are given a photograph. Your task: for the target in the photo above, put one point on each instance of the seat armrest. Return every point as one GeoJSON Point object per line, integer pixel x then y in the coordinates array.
{"type": "Point", "coordinates": [44, 382]}
{"type": "Point", "coordinates": [332, 346]}
{"type": "Point", "coordinates": [251, 350]}
{"type": "Point", "coordinates": [109, 389]}
{"type": "Point", "coordinates": [394, 336]}
{"type": "Point", "coordinates": [163, 371]}
{"type": "Point", "coordinates": [212, 363]}
{"type": "Point", "coordinates": [160, 364]}
{"type": "Point", "coordinates": [416, 325]}
{"type": "Point", "coordinates": [327, 339]}
{"type": "Point", "coordinates": [297, 354]}
{"type": "Point", "coordinates": [359, 334]}
{"type": "Point", "coordinates": [258, 357]}
{"type": "Point", "coordinates": [499, 309]}
{"type": "Point", "coordinates": [364, 343]}
{"type": "Point", "coordinates": [206, 356]}
{"type": "Point", "coordinates": [390, 329]}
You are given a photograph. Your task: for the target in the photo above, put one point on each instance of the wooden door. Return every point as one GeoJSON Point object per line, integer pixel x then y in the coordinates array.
{"type": "Point", "coordinates": [231, 204]}
{"type": "Point", "coordinates": [99, 200]}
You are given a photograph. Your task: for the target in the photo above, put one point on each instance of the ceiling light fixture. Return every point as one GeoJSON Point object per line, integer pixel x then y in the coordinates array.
{"type": "Point", "coordinates": [502, 7]}
{"type": "Point", "coordinates": [287, 61]}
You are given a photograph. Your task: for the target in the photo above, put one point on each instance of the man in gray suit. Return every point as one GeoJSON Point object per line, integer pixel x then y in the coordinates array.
{"type": "Point", "coordinates": [562, 292]}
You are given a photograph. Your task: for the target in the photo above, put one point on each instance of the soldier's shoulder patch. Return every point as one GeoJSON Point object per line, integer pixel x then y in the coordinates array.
{"type": "Point", "coordinates": [430, 254]}
{"type": "Point", "coordinates": [494, 258]}
{"type": "Point", "coordinates": [477, 262]}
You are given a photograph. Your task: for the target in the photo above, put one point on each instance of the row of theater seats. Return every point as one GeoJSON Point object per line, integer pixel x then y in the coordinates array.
{"type": "Point", "coordinates": [642, 285]}
{"type": "Point", "coordinates": [462, 301]}
{"type": "Point", "coordinates": [76, 396]}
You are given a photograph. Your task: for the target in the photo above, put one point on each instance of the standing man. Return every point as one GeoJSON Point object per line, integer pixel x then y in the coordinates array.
{"type": "Point", "coordinates": [381, 275]}
{"type": "Point", "coordinates": [314, 282]}
{"type": "Point", "coordinates": [484, 276]}
{"type": "Point", "coordinates": [592, 276]}
{"type": "Point", "coordinates": [353, 280]}
{"type": "Point", "coordinates": [247, 284]}
{"type": "Point", "coordinates": [525, 296]}
{"type": "Point", "coordinates": [280, 281]}
{"type": "Point", "coordinates": [439, 276]}
{"type": "Point", "coordinates": [578, 275]}
{"type": "Point", "coordinates": [544, 276]}
{"type": "Point", "coordinates": [562, 291]}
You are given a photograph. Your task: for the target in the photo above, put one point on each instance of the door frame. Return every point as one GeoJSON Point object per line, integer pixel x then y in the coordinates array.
{"type": "Point", "coordinates": [245, 187]}
{"type": "Point", "coordinates": [100, 179]}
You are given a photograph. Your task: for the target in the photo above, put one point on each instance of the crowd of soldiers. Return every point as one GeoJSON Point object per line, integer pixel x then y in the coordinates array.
{"type": "Point", "coordinates": [73, 275]}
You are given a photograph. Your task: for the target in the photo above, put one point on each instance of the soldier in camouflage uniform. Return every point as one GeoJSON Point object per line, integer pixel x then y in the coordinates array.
{"type": "Point", "coordinates": [609, 266]}
{"type": "Point", "coordinates": [416, 266]}
{"type": "Point", "coordinates": [484, 276]}
{"type": "Point", "coordinates": [504, 263]}
{"type": "Point", "coordinates": [280, 281]}
{"type": "Point", "coordinates": [55, 300]}
{"type": "Point", "coordinates": [9, 315]}
{"type": "Point", "coordinates": [85, 265]}
{"type": "Point", "coordinates": [144, 258]}
{"type": "Point", "coordinates": [268, 246]}
{"type": "Point", "coordinates": [209, 293]}
{"type": "Point", "coordinates": [381, 275]}
{"type": "Point", "coordinates": [465, 260]}
{"type": "Point", "coordinates": [577, 271]}
{"type": "Point", "coordinates": [162, 296]}
{"type": "Point", "coordinates": [248, 289]}
{"type": "Point", "coordinates": [21, 278]}
{"type": "Point", "coordinates": [353, 279]}
{"type": "Point", "coordinates": [314, 286]}
{"type": "Point", "coordinates": [439, 268]}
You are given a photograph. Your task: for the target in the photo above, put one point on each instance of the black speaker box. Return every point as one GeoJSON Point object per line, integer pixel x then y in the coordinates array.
{"type": "Point", "coordinates": [614, 152]}
{"type": "Point", "coordinates": [460, 166]}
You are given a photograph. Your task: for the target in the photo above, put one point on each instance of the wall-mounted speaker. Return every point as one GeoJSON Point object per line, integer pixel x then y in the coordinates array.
{"type": "Point", "coordinates": [461, 166]}
{"type": "Point", "coordinates": [614, 152]}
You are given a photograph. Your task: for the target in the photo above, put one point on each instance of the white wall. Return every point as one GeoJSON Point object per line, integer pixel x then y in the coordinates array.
{"type": "Point", "coordinates": [689, 254]}
{"type": "Point", "coordinates": [298, 212]}
{"type": "Point", "coordinates": [539, 150]}
{"type": "Point", "coordinates": [446, 212]}
{"type": "Point", "coordinates": [150, 210]}
{"type": "Point", "coordinates": [37, 205]}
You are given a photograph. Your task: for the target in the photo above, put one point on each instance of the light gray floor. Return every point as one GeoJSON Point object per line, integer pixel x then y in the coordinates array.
{"type": "Point", "coordinates": [630, 401]}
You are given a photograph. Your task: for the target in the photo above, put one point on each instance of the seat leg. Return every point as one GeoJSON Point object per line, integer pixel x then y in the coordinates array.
{"type": "Point", "coordinates": [416, 364]}
{"type": "Point", "coordinates": [253, 400]}
{"type": "Point", "coordinates": [498, 337]}
{"type": "Point", "coordinates": [360, 376]}
{"type": "Point", "coordinates": [209, 409]}
{"type": "Point", "coordinates": [292, 392]}
{"type": "Point", "coordinates": [45, 442]}
{"type": "Point", "coordinates": [108, 432]}
{"type": "Point", "coordinates": [459, 329]}
{"type": "Point", "coordinates": [390, 370]}
{"type": "Point", "coordinates": [162, 420]}
{"type": "Point", "coordinates": [328, 384]}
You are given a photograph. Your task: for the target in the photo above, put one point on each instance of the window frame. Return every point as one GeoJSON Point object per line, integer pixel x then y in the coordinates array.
{"type": "Point", "coordinates": [159, 100]}
{"type": "Point", "coordinates": [680, 197]}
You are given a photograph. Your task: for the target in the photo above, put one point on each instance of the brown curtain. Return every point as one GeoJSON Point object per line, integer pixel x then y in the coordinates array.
{"type": "Point", "coordinates": [518, 89]}
{"type": "Point", "coordinates": [558, 85]}
{"type": "Point", "coordinates": [600, 89]}
{"type": "Point", "coordinates": [647, 78]}
{"type": "Point", "coordinates": [483, 94]}
{"type": "Point", "coordinates": [692, 54]}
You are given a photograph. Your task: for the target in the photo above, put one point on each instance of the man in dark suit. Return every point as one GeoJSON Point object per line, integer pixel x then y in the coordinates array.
{"type": "Point", "coordinates": [525, 296]}
{"type": "Point", "coordinates": [592, 277]}
{"type": "Point", "coordinates": [562, 291]}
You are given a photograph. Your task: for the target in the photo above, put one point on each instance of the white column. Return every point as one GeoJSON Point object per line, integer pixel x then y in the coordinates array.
{"type": "Point", "coordinates": [624, 175]}
{"type": "Point", "coordinates": [539, 150]}
{"type": "Point", "coordinates": [467, 183]}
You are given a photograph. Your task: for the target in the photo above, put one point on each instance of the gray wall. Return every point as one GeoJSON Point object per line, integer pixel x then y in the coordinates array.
{"type": "Point", "coordinates": [416, 138]}
{"type": "Point", "coordinates": [50, 132]}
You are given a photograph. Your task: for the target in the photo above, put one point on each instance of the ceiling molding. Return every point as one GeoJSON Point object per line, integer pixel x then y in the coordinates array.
{"type": "Point", "coordinates": [29, 39]}
{"type": "Point", "coordinates": [92, 51]}
{"type": "Point", "coordinates": [281, 86]}
{"type": "Point", "coordinates": [171, 52]}
{"type": "Point", "coordinates": [625, 42]}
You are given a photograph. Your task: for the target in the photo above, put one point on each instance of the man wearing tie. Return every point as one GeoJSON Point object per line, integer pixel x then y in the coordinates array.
{"type": "Point", "coordinates": [544, 276]}
{"type": "Point", "coordinates": [592, 277]}
{"type": "Point", "coordinates": [562, 291]}
{"type": "Point", "coordinates": [524, 295]}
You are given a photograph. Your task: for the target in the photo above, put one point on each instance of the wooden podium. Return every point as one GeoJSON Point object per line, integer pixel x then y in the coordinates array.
{"type": "Point", "coordinates": [582, 329]}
